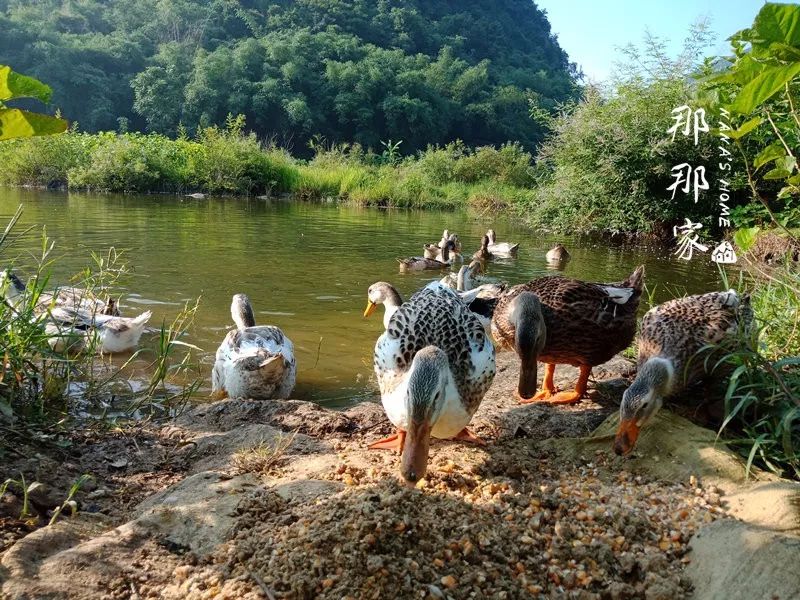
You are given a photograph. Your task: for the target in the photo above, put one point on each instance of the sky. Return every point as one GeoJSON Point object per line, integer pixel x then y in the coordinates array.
{"type": "Point", "coordinates": [591, 30]}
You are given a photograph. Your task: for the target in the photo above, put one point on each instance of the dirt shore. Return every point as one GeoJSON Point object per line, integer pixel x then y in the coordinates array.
{"type": "Point", "coordinates": [281, 499]}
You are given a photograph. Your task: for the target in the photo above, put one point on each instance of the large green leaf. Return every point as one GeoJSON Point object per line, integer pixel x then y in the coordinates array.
{"type": "Point", "coordinates": [778, 173]}
{"type": "Point", "coordinates": [15, 123]}
{"type": "Point", "coordinates": [777, 23]}
{"type": "Point", "coordinates": [763, 87]}
{"type": "Point", "coordinates": [770, 153]}
{"type": "Point", "coordinates": [13, 85]}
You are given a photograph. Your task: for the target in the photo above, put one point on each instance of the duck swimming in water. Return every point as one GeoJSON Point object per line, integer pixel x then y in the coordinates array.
{"type": "Point", "coordinates": [420, 263]}
{"type": "Point", "coordinates": [106, 333]}
{"type": "Point", "coordinates": [253, 361]}
{"type": "Point", "coordinates": [500, 248]}
{"type": "Point", "coordinates": [434, 363]}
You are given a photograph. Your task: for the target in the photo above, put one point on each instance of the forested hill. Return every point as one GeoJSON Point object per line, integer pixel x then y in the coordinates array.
{"type": "Point", "coordinates": [421, 71]}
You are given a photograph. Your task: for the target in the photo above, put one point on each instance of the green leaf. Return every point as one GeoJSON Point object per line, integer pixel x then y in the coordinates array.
{"type": "Point", "coordinates": [15, 123]}
{"type": "Point", "coordinates": [777, 173]}
{"type": "Point", "coordinates": [788, 162]}
{"type": "Point", "coordinates": [768, 154]}
{"type": "Point", "coordinates": [745, 128]}
{"type": "Point", "coordinates": [776, 23]}
{"type": "Point", "coordinates": [763, 87]}
{"type": "Point", "coordinates": [744, 238]}
{"type": "Point", "coordinates": [13, 85]}
{"type": "Point", "coordinates": [794, 180]}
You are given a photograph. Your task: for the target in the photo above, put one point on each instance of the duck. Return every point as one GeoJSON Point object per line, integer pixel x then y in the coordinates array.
{"type": "Point", "coordinates": [465, 279]}
{"type": "Point", "coordinates": [500, 248]}
{"type": "Point", "coordinates": [253, 361]}
{"type": "Point", "coordinates": [434, 364]}
{"type": "Point", "coordinates": [434, 251]}
{"type": "Point", "coordinates": [557, 254]}
{"type": "Point", "coordinates": [384, 293]}
{"type": "Point", "coordinates": [560, 320]}
{"type": "Point", "coordinates": [482, 300]}
{"type": "Point", "coordinates": [483, 254]}
{"type": "Point", "coordinates": [13, 289]}
{"type": "Point", "coordinates": [420, 263]}
{"type": "Point", "coordinates": [671, 336]}
{"type": "Point", "coordinates": [109, 334]}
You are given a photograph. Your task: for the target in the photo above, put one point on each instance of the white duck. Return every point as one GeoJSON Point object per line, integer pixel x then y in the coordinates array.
{"type": "Point", "coordinates": [434, 363]}
{"type": "Point", "coordinates": [253, 361]}
{"type": "Point", "coordinates": [500, 248]}
{"type": "Point", "coordinates": [465, 279]}
{"type": "Point", "coordinates": [106, 333]}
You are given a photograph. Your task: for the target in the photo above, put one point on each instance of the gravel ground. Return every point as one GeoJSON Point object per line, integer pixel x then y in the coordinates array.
{"type": "Point", "coordinates": [515, 526]}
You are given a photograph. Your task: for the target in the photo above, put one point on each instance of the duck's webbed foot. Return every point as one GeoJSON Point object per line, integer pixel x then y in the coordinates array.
{"type": "Point", "coordinates": [576, 394]}
{"type": "Point", "coordinates": [393, 442]}
{"type": "Point", "coordinates": [465, 435]}
{"type": "Point", "coordinates": [549, 389]}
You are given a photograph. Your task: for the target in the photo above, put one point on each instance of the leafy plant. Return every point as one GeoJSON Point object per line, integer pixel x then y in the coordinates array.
{"type": "Point", "coordinates": [760, 89]}
{"type": "Point", "coordinates": [16, 122]}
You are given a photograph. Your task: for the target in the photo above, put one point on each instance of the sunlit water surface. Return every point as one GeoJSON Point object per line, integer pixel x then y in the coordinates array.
{"type": "Point", "coordinates": [306, 267]}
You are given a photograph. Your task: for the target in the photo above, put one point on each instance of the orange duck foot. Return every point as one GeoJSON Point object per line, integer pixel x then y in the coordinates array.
{"type": "Point", "coordinates": [540, 396]}
{"type": "Point", "coordinates": [465, 435]}
{"type": "Point", "coordinates": [393, 442]}
{"type": "Point", "coordinates": [564, 397]}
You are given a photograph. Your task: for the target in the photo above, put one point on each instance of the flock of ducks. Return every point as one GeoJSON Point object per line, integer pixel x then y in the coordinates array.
{"type": "Point", "coordinates": [75, 319]}
{"type": "Point", "coordinates": [435, 359]}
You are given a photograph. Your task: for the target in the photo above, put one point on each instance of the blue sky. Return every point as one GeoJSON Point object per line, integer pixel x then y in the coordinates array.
{"type": "Point", "coordinates": [590, 30]}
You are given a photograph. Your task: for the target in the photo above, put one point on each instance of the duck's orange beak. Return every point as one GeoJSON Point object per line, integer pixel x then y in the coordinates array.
{"type": "Point", "coordinates": [627, 434]}
{"type": "Point", "coordinates": [370, 308]}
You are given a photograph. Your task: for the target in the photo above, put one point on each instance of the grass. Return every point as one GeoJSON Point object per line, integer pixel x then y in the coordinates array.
{"type": "Point", "coordinates": [260, 458]}
{"type": "Point", "coordinates": [762, 399]}
{"type": "Point", "coordinates": [35, 377]}
{"type": "Point", "coordinates": [229, 161]}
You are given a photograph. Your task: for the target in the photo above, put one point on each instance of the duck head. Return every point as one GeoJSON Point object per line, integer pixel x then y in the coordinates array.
{"type": "Point", "coordinates": [491, 235]}
{"type": "Point", "coordinates": [11, 286]}
{"type": "Point", "coordinates": [464, 279]}
{"type": "Point", "coordinates": [425, 397]}
{"type": "Point", "coordinates": [641, 401]}
{"type": "Point", "coordinates": [530, 334]}
{"type": "Point", "coordinates": [242, 312]}
{"type": "Point", "coordinates": [386, 294]}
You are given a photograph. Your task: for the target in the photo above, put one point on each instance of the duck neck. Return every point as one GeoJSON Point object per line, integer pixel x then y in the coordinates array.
{"type": "Point", "coordinates": [656, 374]}
{"type": "Point", "coordinates": [242, 312]}
{"type": "Point", "coordinates": [392, 302]}
{"type": "Point", "coordinates": [462, 281]}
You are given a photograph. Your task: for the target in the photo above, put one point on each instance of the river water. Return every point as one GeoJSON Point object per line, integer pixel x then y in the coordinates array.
{"type": "Point", "coordinates": [306, 267]}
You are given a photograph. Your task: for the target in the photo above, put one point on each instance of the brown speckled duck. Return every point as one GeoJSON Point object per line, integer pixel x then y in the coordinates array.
{"type": "Point", "coordinates": [559, 320]}
{"type": "Point", "coordinates": [671, 336]}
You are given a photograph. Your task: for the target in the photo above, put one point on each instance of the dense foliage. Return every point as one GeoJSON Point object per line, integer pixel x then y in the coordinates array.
{"type": "Point", "coordinates": [226, 160]}
{"type": "Point", "coordinates": [353, 71]}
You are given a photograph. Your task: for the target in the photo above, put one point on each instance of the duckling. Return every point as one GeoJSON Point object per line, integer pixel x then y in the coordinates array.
{"type": "Point", "coordinates": [107, 333]}
{"type": "Point", "coordinates": [557, 254]}
{"type": "Point", "coordinates": [500, 248]}
{"type": "Point", "coordinates": [671, 336]}
{"type": "Point", "coordinates": [253, 361]}
{"type": "Point", "coordinates": [386, 294]}
{"type": "Point", "coordinates": [559, 320]}
{"type": "Point", "coordinates": [434, 364]}
{"type": "Point", "coordinates": [420, 263]}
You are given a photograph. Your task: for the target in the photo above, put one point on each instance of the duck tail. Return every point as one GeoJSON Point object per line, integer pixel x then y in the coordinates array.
{"type": "Point", "coordinates": [142, 319]}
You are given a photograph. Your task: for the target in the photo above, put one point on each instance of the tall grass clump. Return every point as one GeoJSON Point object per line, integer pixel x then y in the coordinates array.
{"type": "Point", "coordinates": [37, 376]}
{"type": "Point", "coordinates": [762, 400]}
